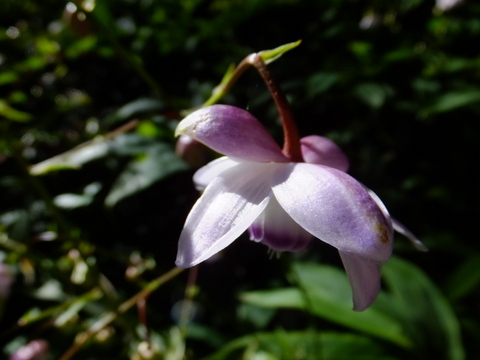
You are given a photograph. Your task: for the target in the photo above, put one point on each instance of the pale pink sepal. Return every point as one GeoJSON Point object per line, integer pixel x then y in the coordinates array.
{"type": "Point", "coordinates": [276, 229]}
{"type": "Point", "coordinates": [232, 132]}
{"type": "Point", "coordinates": [364, 277]}
{"type": "Point", "coordinates": [335, 208]}
{"type": "Point", "coordinates": [321, 150]}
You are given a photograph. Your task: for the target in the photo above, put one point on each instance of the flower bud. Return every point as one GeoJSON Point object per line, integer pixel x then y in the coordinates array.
{"type": "Point", "coordinates": [192, 151]}
{"type": "Point", "coordinates": [34, 350]}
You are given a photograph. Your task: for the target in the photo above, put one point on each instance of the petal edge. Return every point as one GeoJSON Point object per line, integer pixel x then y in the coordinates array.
{"type": "Point", "coordinates": [233, 132]}
{"type": "Point", "coordinates": [226, 209]}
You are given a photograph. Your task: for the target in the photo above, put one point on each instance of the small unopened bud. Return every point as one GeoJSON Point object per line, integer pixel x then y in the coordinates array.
{"type": "Point", "coordinates": [34, 350]}
{"type": "Point", "coordinates": [192, 151]}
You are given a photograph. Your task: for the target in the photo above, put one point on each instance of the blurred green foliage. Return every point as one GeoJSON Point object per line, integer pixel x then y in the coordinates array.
{"type": "Point", "coordinates": [93, 196]}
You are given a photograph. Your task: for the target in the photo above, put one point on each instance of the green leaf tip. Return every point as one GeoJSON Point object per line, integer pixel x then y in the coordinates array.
{"type": "Point", "coordinates": [12, 114]}
{"type": "Point", "coordinates": [269, 56]}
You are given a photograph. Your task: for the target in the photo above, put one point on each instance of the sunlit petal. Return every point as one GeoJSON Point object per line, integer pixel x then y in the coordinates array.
{"type": "Point", "coordinates": [233, 132]}
{"type": "Point", "coordinates": [335, 208]}
{"type": "Point", "coordinates": [229, 205]}
{"type": "Point", "coordinates": [276, 229]}
{"type": "Point", "coordinates": [364, 278]}
{"type": "Point", "coordinates": [207, 173]}
{"type": "Point", "coordinates": [323, 151]}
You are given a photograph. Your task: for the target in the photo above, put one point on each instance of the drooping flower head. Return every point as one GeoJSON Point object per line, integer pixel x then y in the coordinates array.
{"type": "Point", "coordinates": [282, 203]}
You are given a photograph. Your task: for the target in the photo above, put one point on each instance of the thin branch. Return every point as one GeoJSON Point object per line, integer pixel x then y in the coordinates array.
{"type": "Point", "coordinates": [82, 338]}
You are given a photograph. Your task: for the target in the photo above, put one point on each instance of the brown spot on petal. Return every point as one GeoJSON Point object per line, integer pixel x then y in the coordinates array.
{"type": "Point", "coordinates": [383, 233]}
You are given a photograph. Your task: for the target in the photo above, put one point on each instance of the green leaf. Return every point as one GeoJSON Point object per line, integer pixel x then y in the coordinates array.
{"type": "Point", "coordinates": [13, 114]}
{"type": "Point", "coordinates": [100, 147]}
{"type": "Point", "coordinates": [320, 82]}
{"type": "Point", "coordinates": [305, 345]}
{"type": "Point", "coordinates": [135, 108]}
{"type": "Point", "coordinates": [76, 305]}
{"type": "Point", "coordinates": [73, 159]}
{"type": "Point", "coordinates": [465, 280]}
{"type": "Point", "coordinates": [46, 46]}
{"type": "Point", "coordinates": [7, 77]}
{"type": "Point", "coordinates": [51, 290]}
{"type": "Point", "coordinates": [73, 201]}
{"type": "Point", "coordinates": [426, 315]}
{"type": "Point", "coordinates": [147, 129]}
{"type": "Point", "coordinates": [276, 298]}
{"type": "Point", "coordinates": [81, 46]}
{"type": "Point", "coordinates": [258, 316]}
{"type": "Point", "coordinates": [132, 144]}
{"type": "Point", "coordinates": [454, 100]}
{"type": "Point", "coordinates": [157, 163]}
{"type": "Point", "coordinates": [328, 295]}
{"type": "Point", "coordinates": [270, 56]}
{"type": "Point", "coordinates": [372, 94]}
{"type": "Point", "coordinates": [65, 310]}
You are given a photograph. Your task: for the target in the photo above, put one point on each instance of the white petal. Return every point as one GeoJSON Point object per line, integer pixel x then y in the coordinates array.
{"type": "Point", "coordinates": [276, 229]}
{"type": "Point", "coordinates": [207, 173]}
{"type": "Point", "coordinates": [364, 279]}
{"type": "Point", "coordinates": [335, 208]}
{"type": "Point", "coordinates": [229, 205]}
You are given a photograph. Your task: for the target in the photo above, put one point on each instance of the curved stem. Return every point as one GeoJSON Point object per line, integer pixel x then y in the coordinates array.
{"type": "Point", "coordinates": [291, 145]}
{"type": "Point", "coordinates": [229, 79]}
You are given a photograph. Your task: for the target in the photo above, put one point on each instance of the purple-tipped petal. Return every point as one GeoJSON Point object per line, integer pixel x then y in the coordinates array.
{"type": "Point", "coordinates": [364, 279]}
{"type": "Point", "coordinates": [233, 132]}
{"type": "Point", "coordinates": [334, 207]}
{"type": "Point", "coordinates": [397, 225]}
{"type": "Point", "coordinates": [229, 205]}
{"type": "Point", "coordinates": [276, 229]}
{"type": "Point", "coordinates": [323, 151]}
{"type": "Point", "coordinates": [207, 173]}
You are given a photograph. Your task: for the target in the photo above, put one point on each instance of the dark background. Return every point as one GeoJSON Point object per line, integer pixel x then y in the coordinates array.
{"type": "Point", "coordinates": [395, 84]}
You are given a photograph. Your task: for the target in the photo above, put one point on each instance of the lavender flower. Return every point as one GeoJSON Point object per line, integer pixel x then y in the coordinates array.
{"type": "Point", "coordinates": [283, 204]}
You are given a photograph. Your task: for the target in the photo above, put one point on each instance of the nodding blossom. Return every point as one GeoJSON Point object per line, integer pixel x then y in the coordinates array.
{"type": "Point", "coordinates": [283, 204]}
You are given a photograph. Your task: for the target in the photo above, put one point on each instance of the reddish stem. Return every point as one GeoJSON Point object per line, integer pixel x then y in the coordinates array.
{"type": "Point", "coordinates": [291, 145]}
